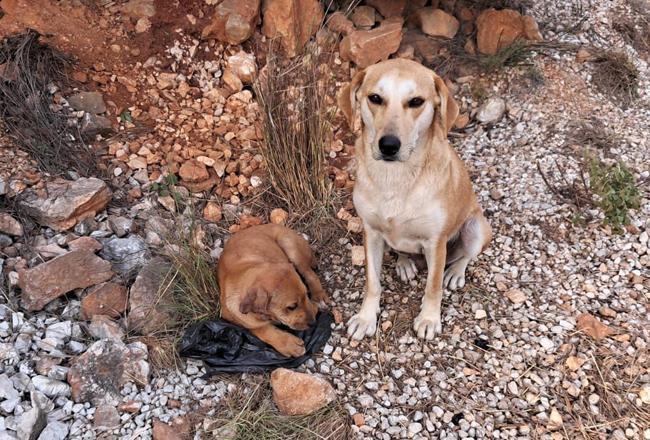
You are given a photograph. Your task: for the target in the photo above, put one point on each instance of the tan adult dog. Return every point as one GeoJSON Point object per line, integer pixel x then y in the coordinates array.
{"type": "Point", "coordinates": [260, 286]}
{"type": "Point", "coordinates": [412, 190]}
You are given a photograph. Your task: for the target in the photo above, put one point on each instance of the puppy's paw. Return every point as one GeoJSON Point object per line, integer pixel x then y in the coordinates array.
{"type": "Point", "coordinates": [292, 346]}
{"type": "Point", "coordinates": [405, 268]}
{"type": "Point", "coordinates": [454, 277]}
{"type": "Point", "coordinates": [427, 326]}
{"type": "Point", "coordinates": [361, 325]}
{"type": "Point", "coordinates": [321, 299]}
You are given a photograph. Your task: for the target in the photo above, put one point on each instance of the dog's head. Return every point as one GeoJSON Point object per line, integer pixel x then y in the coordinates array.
{"type": "Point", "coordinates": [281, 296]}
{"type": "Point", "coordinates": [402, 104]}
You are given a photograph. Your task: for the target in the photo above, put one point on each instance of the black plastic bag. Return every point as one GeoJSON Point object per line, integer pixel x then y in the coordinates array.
{"type": "Point", "coordinates": [228, 348]}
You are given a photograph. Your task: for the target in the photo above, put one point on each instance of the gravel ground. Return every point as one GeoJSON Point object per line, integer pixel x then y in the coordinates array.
{"type": "Point", "coordinates": [510, 362]}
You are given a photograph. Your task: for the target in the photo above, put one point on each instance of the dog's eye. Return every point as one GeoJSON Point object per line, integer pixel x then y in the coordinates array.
{"type": "Point", "coordinates": [292, 307]}
{"type": "Point", "coordinates": [416, 102]}
{"type": "Point", "coordinates": [375, 99]}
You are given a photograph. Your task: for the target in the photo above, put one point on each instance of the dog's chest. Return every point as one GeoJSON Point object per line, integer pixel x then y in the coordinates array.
{"type": "Point", "coordinates": [406, 222]}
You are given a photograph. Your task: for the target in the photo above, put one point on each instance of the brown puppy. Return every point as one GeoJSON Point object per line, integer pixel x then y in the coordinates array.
{"type": "Point", "coordinates": [260, 286]}
{"type": "Point", "coordinates": [412, 190]}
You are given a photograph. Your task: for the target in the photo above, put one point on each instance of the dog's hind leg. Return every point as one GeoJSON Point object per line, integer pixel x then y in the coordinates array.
{"type": "Point", "coordinates": [405, 267]}
{"type": "Point", "coordinates": [299, 253]}
{"type": "Point", "coordinates": [474, 236]}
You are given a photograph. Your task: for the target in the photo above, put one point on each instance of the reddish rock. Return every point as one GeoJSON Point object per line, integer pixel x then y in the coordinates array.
{"type": "Point", "coordinates": [98, 375]}
{"type": "Point", "coordinates": [499, 29]}
{"type": "Point", "coordinates": [212, 212]}
{"type": "Point", "coordinates": [292, 21]}
{"type": "Point", "coordinates": [279, 216]}
{"type": "Point", "coordinates": [103, 327]}
{"type": "Point", "coordinates": [85, 244]}
{"type": "Point", "coordinates": [131, 406]}
{"type": "Point", "coordinates": [388, 8]}
{"type": "Point", "coordinates": [364, 17]}
{"type": "Point", "coordinates": [64, 202]}
{"type": "Point", "coordinates": [193, 171]}
{"type": "Point", "coordinates": [179, 429]}
{"type": "Point", "coordinates": [108, 299]}
{"type": "Point", "coordinates": [299, 393]}
{"type": "Point", "coordinates": [48, 281]}
{"type": "Point", "coordinates": [369, 47]}
{"type": "Point", "coordinates": [234, 21]}
{"type": "Point", "coordinates": [436, 22]}
{"type": "Point", "coordinates": [425, 47]}
{"type": "Point", "coordinates": [106, 417]}
{"type": "Point", "coordinates": [204, 185]}
{"type": "Point", "coordinates": [10, 226]}
{"type": "Point", "coordinates": [339, 23]}
{"type": "Point", "coordinates": [232, 81]}
{"type": "Point", "coordinates": [243, 66]}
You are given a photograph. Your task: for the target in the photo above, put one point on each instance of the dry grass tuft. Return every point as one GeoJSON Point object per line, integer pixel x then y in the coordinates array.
{"type": "Point", "coordinates": [615, 75]}
{"type": "Point", "coordinates": [249, 414]}
{"type": "Point", "coordinates": [296, 130]}
{"type": "Point", "coordinates": [517, 53]}
{"type": "Point", "coordinates": [614, 379]}
{"type": "Point", "coordinates": [191, 288]}
{"type": "Point", "coordinates": [28, 69]}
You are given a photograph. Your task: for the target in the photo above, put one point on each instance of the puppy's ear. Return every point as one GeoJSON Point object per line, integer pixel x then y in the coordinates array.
{"type": "Point", "coordinates": [347, 97]}
{"type": "Point", "coordinates": [256, 300]}
{"type": "Point", "coordinates": [448, 107]}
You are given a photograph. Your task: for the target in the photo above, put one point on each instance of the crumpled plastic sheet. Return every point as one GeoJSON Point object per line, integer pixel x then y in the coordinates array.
{"type": "Point", "coordinates": [228, 348]}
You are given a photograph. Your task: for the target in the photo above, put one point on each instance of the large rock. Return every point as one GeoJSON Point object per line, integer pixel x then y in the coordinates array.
{"type": "Point", "coordinates": [364, 17]}
{"type": "Point", "coordinates": [91, 102]}
{"type": "Point", "coordinates": [491, 111]}
{"type": "Point", "coordinates": [138, 8]}
{"type": "Point", "coordinates": [499, 29]}
{"type": "Point", "coordinates": [293, 22]}
{"type": "Point", "coordinates": [146, 298]}
{"type": "Point", "coordinates": [339, 23]}
{"type": "Point", "coordinates": [127, 255]}
{"type": "Point", "coordinates": [178, 429]}
{"type": "Point", "coordinates": [108, 299]}
{"type": "Point", "coordinates": [243, 65]}
{"type": "Point", "coordinates": [436, 22]}
{"type": "Point", "coordinates": [369, 47]}
{"type": "Point", "coordinates": [54, 431]}
{"type": "Point", "coordinates": [48, 281]}
{"type": "Point", "coordinates": [193, 171]}
{"type": "Point", "coordinates": [98, 375]}
{"type": "Point", "coordinates": [234, 21]}
{"type": "Point", "coordinates": [299, 393]}
{"type": "Point", "coordinates": [10, 226]}
{"type": "Point", "coordinates": [388, 8]}
{"type": "Point", "coordinates": [31, 423]}
{"type": "Point", "coordinates": [64, 203]}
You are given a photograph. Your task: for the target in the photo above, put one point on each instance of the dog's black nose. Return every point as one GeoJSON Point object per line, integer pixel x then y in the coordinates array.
{"type": "Point", "coordinates": [389, 145]}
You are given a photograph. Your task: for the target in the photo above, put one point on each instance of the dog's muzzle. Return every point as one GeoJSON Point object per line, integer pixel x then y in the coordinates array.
{"type": "Point", "coordinates": [389, 146]}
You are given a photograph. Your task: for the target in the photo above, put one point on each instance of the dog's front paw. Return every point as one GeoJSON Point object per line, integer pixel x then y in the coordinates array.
{"type": "Point", "coordinates": [427, 326]}
{"type": "Point", "coordinates": [361, 325]}
{"type": "Point", "coordinates": [405, 268]}
{"type": "Point", "coordinates": [454, 277]}
{"type": "Point", "coordinates": [293, 346]}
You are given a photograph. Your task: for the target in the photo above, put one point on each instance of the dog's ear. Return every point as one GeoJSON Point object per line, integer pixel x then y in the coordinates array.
{"type": "Point", "coordinates": [256, 300]}
{"type": "Point", "coordinates": [347, 97]}
{"type": "Point", "coordinates": [448, 107]}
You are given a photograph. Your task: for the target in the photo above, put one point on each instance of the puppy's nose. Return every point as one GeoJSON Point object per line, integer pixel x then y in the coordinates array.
{"type": "Point", "coordinates": [389, 145]}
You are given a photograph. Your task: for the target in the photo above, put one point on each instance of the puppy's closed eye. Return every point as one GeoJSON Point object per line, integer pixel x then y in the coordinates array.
{"type": "Point", "coordinates": [292, 307]}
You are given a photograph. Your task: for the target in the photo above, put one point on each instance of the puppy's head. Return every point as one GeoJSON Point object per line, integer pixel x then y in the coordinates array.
{"type": "Point", "coordinates": [281, 296]}
{"type": "Point", "coordinates": [402, 104]}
